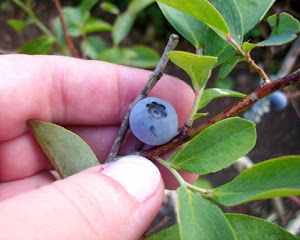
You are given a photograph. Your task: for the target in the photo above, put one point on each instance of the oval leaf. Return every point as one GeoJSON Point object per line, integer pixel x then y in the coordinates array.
{"type": "Point", "coordinates": [137, 56]}
{"type": "Point", "coordinates": [200, 219]}
{"type": "Point", "coordinates": [213, 93]}
{"type": "Point", "coordinates": [93, 46]}
{"type": "Point", "coordinates": [68, 153]}
{"type": "Point", "coordinates": [16, 24]}
{"type": "Point", "coordinates": [253, 11]}
{"type": "Point", "coordinates": [216, 147]}
{"type": "Point", "coordinates": [197, 67]}
{"type": "Point", "coordinates": [273, 178]}
{"type": "Point", "coordinates": [284, 29]}
{"type": "Point", "coordinates": [204, 11]}
{"type": "Point", "coordinates": [189, 27]}
{"type": "Point", "coordinates": [41, 45]}
{"type": "Point", "coordinates": [228, 66]}
{"type": "Point", "coordinates": [248, 227]}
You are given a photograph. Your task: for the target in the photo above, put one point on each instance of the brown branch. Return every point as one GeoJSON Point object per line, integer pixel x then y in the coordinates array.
{"type": "Point", "coordinates": [154, 78]}
{"type": "Point", "coordinates": [63, 23]}
{"type": "Point", "coordinates": [232, 111]}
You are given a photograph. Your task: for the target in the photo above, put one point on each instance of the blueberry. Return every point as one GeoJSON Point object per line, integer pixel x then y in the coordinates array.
{"type": "Point", "coordinates": [153, 121]}
{"type": "Point", "coordinates": [278, 101]}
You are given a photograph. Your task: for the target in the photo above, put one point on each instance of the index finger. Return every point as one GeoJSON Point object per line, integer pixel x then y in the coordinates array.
{"type": "Point", "coordinates": [71, 91]}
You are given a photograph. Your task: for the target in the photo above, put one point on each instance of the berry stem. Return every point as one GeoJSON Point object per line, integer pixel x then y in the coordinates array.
{"type": "Point", "coordinates": [154, 78]}
{"type": "Point", "coordinates": [249, 60]}
{"type": "Point", "coordinates": [240, 106]}
{"type": "Point", "coordinates": [181, 181]}
{"type": "Point", "coordinates": [195, 108]}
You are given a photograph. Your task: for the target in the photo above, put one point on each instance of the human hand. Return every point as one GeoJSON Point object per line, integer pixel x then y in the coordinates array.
{"type": "Point", "coordinates": [91, 99]}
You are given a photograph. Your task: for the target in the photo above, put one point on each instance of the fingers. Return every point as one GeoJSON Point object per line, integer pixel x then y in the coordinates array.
{"type": "Point", "coordinates": [118, 203]}
{"type": "Point", "coordinates": [14, 188]}
{"type": "Point", "coordinates": [72, 91]}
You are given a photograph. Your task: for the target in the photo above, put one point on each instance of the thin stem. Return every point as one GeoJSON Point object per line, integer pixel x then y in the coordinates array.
{"type": "Point", "coordinates": [168, 166]}
{"type": "Point", "coordinates": [63, 23]}
{"type": "Point", "coordinates": [195, 109]}
{"type": "Point", "coordinates": [249, 60]}
{"type": "Point", "coordinates": [37, 22]}
{"type": "Point", "coordinates": [240, 106]}
{"type": "Point", "coordinates": [181, 181]}
{"type": "Point", "coordinates": [154, 78]}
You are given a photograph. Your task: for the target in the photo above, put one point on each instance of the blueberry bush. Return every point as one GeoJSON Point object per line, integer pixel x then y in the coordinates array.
{"type": "Point", "coordinates": [217, 29]}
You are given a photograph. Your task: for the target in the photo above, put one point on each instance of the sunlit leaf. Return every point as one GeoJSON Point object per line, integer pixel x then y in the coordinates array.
{"type": "Point", "coordinates": [198, 115]}
{"type": "Point", "coordinates": [213, 93]}
{"type": "Point", "coordinates": [197, 67]}
{"type": "Point", "coordinates": [202, 10]}
{"type": "Point", "coordinates": [68, 153]}
{"type": "Point", "coordinates": [41, 45]}
{"type": "Point", "coordinates": [189, 27]}
{"type": "Point", "coordinates": [110, 7]}
{"type": "Point", "coordinates": [137, 56]}
{"type": "Point", "coordinates": [16, 24]}
{"type": "Point", "coordinates": [95, 25]}
{"type": "Point", "coordinates": [273, 178]}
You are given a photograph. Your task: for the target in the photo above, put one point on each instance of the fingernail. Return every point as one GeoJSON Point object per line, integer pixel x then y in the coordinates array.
{"type": "Point", "coordinates": [139, 176]}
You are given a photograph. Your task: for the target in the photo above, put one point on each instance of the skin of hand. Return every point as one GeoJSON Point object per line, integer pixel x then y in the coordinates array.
{"type": "Point", "coordinates": [110, 201]}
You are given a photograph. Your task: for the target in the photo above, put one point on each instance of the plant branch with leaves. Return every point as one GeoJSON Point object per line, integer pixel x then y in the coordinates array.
{"type": "Point", "coordinates": [216, 143]}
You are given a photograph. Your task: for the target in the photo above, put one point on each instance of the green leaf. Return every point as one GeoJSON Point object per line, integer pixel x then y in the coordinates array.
{"type": "Point", "coordinates": [253, 11]}
{"type": "Point", "coordinates": [225, 83]}
{"type": "Point", "coordinates": [216, 147]}
{"type": "Point", "coordinates": [16, 24]}
{"type": "Point", "coordinates": [284, 29]}
{"type": "Point", "coordinates": [213, 93]}
{"type": "Point", "coordinates": [110, 8]}
{"type": "Point", "coordinates": [146, 57]}
{"type": "Point", "coordinates": [273, 178]}
{"type": "Point", "coordinates": [198, 115]}
{"type": "Point", "coordinates": [137, 56]}
{"type": "Point", "coordinates": [247, 227]}
{"type": "Point", "coordinates": [204, 11]}
{"type": "Point", "coordinates": [228, 66]}
{"type": "Point", "coordinates": [189, 27]}
{"type": "Point", "coordinates": [125, 21]}
{"type": "Point", "coordinates": [200, 219]}
{"type": "Point", "coordinates": [171, 233]}
{"type": "Point", "coordinates": [95, 25]}
{"type": "Point", "coordinates": [41, 45]}
{"type": "Point", "coordinates": [86, 5]}
{"type": "Point", "coordinates": [197, 67]}
{"type": "Point", "coordinates": [68, 153]}
{"type": "Point", "coordinates": [93, 46]}
{"type": "Point", "coordinates": [201, 36]}
{"type": "Point", "coordinates": [202, 182]}
{"type": "Point", "coordinates": [122, 26]}
{"type": "Point", "coordinates": [73, 18]}
{"type": "Point", "coordinates": [136, 6]}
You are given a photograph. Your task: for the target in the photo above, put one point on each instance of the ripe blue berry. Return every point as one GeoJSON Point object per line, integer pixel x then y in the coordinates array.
{"type": "Point", "coordinates": [153, 121]}
{"type": "Point", "coordinates": [278, 101]}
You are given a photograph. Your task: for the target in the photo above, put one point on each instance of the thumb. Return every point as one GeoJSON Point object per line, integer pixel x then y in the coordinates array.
{"type": "Point", "coordinates": [118, 202]}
